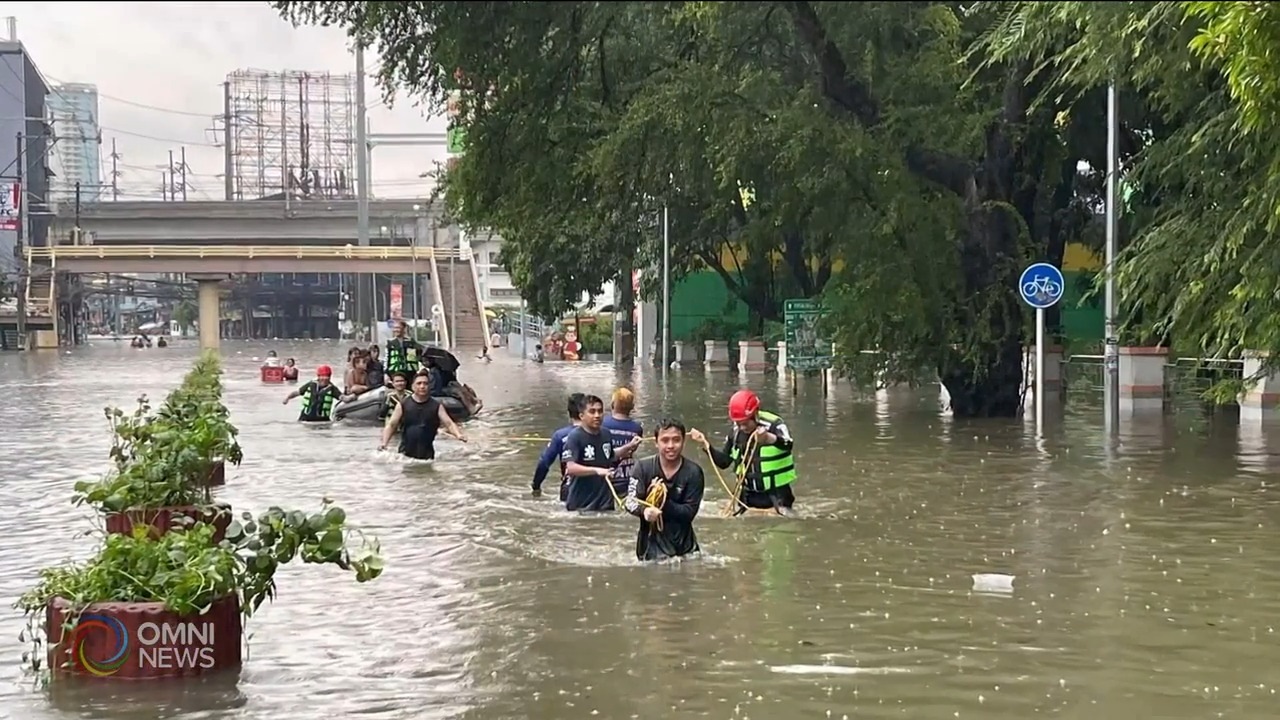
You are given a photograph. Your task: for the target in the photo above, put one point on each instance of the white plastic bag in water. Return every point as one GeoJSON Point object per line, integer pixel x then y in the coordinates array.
{"type": "Point", "coordinates": [996, 583]}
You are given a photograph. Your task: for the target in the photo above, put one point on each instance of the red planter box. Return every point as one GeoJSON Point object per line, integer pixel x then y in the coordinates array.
{"type": "Point", "coordinates": [143, 640]}
{"type": "Point", "coordinates": [273, 375]}
{"type": "Point", "coordinates": [161, 519]}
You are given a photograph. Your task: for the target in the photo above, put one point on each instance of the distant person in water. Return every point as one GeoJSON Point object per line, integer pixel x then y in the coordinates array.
{"type": "Point", "coordinates": [537, 353]}
{"type": "Point", "coordinates": [396, 393]}
{"type": "Point", "coordinates": [161, 343]}
{"type": "Point", "coordinates": [291, 370]}
{"type": "Point", "coordinates": [272, 359]}
{"type": "Point", "coordinates": [666, 526]}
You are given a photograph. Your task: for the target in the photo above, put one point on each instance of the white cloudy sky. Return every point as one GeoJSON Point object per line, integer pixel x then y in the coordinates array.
{"type": "Point", "coordinates": [173, 57]}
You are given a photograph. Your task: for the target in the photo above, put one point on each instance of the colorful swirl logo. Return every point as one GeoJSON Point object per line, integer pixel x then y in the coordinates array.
{"type": "Point", "coordinates": [117, 638]}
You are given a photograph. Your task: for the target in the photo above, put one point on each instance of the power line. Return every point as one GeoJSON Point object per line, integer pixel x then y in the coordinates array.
{"type": "Point", "coordinates": [134, 103]}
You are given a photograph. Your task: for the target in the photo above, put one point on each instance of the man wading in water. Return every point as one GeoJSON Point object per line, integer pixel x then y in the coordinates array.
{"type": "Point", "coordinates": [421, 418]}
{"type": "Point", "coordinates": [666, 530]}
{"type": "Point", "coordinates": [760, 441]}
{"type": "Point", "coordinates": [555, 448]}
{"type": "Point", "coordinates": [589, 461]}
{"type": "Point", "coordinates": [318, 397]}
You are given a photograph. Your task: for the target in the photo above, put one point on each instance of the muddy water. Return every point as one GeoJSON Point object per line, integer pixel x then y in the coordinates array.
{"type": "Point", "coordinates": [1147, 580]}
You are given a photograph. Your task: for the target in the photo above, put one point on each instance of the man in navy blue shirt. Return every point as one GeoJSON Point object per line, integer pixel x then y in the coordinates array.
{"type": "Point", "coordinates": [589, 462]}
{"type": "Point", "coordinates": [555, 448]}
{"type": "Point", "coordinates": [625, 434]}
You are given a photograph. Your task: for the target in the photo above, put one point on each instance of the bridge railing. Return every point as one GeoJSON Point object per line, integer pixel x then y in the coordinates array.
{"type": "Point", "coordinates": [301, 252]}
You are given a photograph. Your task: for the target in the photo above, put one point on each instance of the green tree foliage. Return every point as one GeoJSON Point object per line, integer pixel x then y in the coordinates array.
{"type": "Point", "coordinates": [888, 172]}
{"type": "Point", "coordinates": [1201, 263]}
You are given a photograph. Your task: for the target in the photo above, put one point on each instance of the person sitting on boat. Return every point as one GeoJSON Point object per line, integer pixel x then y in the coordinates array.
{"type": "Point", "coordinates": [319, 397]}
{"type": "Point", "coordinates": [356, 380]}
{"type": "Point", "coordinates": [373, 368]}
{"type": "Point", "coordinates": [403, 353]}
{"type": "Point", "coordinates": [291, 370]}
{"type": "Point", "coordinates": [272, 360]}
{"type": "Point", "coordinates": [439, 380]}
{"type": "Point", "coordinates": [399, 388]}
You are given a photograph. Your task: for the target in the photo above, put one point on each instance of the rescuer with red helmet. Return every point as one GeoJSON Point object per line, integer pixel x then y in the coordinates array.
{"type": "Point", "coordinates": [761, 442]}
{"type": "Point", "coordinates": [319, 397]}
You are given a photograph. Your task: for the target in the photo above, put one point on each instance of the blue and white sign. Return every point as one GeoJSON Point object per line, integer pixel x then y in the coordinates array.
{"type": "Point", "coordinates": [1041, 286]}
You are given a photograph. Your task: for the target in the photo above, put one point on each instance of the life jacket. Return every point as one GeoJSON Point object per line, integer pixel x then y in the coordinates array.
{"type": "Point", "coordinates": [310, 409]}
{"type": "Point", "coordinates": [402, 356]}
{"type": "Point", "coordinates": [777, 466]}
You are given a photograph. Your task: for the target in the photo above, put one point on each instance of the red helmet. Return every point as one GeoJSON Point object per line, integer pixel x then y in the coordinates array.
{"type": "Point", "coordinates": [324, 371]}
{"type": "Point", "coordinates": [743, 405]}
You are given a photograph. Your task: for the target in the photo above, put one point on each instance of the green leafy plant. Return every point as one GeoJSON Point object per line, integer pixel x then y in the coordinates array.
{"type": "Point", "coordinates": [164, 458]}
{"type": "Point", "coordinates": [187, 572]}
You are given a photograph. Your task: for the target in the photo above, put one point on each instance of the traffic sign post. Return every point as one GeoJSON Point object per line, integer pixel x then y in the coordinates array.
{"type": "Point", "coordinates": [806, 349]}
{"type": "Point", "coordinates": [1041, 286]}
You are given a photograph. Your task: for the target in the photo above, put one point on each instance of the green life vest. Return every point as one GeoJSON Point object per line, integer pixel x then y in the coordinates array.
{"type": "Point", "coordinates": [402, 356]}
{"type": "Point", "coordinates": [317, 408]}
{"type": "Point", "coordinates": [777, 467]}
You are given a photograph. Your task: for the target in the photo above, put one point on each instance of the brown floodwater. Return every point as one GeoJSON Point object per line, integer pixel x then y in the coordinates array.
{"type": "Point", "coordinates": [1146, 571]}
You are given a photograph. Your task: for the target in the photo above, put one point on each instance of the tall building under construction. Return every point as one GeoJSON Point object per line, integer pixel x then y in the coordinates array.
{"type": "Point", "coordinates": [292, 134]}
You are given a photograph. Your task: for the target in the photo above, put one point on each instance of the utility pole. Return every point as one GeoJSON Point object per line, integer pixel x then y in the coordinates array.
{"type": "Point", "coordinates": [115, 172]}
{"type": "Point", "coordinates": [22, 221]}
{"type": "Point", "coordinates": [183, 169]}
{"type": "Point", "coordinates": [228, 172]}
{"type": "Point", "coordinates": [173, 187]}
{"type": "Point", "coordinates": [76, 230]}
{"type": "Point", "coordinates": [164, 186]}
{"type": "Point", "coordinates": [364, 288]}
{"type": "Point", "coordinates": [1111, 381]}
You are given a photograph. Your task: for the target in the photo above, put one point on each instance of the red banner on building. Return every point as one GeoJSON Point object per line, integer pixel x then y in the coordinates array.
{"type": "Point", "coordinates": [10, 203]}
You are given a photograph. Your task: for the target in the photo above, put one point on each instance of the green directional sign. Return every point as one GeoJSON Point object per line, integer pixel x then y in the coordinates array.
{"type": "Point", "coordinates": [457, 140]}
{"type": "Point", "coordinates": [807, 349]}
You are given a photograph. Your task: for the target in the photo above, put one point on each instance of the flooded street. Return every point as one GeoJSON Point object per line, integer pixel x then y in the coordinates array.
{"type": "Point", "coordinates": [1147, 582]}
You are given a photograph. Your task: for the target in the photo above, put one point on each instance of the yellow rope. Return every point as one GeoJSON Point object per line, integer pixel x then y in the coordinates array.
{"type": "Point", "coordinates": [735, 494]}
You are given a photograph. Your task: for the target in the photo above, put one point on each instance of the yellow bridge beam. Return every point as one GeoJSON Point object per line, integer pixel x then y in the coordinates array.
{"type": "Point", "coordinates": [236, 258]}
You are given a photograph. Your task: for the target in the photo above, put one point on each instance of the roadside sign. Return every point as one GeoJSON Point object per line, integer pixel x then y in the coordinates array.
{"type": "Point", "coordinates": [806, 348]}
{"type": "Point", "coordinates": [1041, 286]}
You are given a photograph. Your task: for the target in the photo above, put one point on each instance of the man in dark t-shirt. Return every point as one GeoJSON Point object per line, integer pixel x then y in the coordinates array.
{"type": "Point", "coordinates": [666, 518]}
{"type": "Point", "coordinates": [589, 461]}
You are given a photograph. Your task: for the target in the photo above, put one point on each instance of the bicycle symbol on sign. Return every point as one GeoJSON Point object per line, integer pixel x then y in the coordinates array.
{"type": "Point", "coordinates": [1042, 289]}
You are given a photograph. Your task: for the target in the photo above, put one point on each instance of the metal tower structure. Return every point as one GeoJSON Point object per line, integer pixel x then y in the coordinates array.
{"type": "Point", "coordinates": [291, 134]}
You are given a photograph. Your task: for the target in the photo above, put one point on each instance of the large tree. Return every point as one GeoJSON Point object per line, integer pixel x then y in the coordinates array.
{"type": "Point", "coordinates": [792, 142]}
{"type": "Point", "coordinates": [1202, 260]}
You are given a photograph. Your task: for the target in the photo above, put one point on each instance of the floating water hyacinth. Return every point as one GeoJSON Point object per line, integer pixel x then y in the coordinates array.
{"type": "Point", "coordinates": [993, 583]}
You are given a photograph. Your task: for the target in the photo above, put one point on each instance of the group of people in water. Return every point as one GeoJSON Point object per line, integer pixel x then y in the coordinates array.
{"type": "Point", "coordinates": [413, 379]}
{"type": "Point", "coordinates": [599, 471]}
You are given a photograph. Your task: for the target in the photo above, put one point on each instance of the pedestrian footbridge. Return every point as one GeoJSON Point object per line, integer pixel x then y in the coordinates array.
{"type": "Point", "coordinates": [229, 259]}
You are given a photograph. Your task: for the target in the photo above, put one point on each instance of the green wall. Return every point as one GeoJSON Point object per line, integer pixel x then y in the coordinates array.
{"type": "Point", "coordinates": [702, 296]}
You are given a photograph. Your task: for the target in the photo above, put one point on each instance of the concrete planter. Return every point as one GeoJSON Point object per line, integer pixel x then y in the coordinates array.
{"type": "Point", "coordinates": [143, 640]}
{"type": "Point", "coordinates": [161, 519]}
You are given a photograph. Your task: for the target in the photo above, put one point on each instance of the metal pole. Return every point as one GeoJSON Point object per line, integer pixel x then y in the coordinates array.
{"type": "Point", "coordinates": [228, 169]}
{"type": "Point", "coordinates": [1111, 382]}
{"type": "Point", "coordinates": [453, 304]}
{"type": "Point", "coordinates": [23, 274]}
{"type": "Point", "coordinates": [666, 290]}
{"type": "Point", "coordinates": [1039, 370]}
{"type": "Point", "coordinates": [524, 343]}
{"type": "Point", "coordinates": [362, 184]}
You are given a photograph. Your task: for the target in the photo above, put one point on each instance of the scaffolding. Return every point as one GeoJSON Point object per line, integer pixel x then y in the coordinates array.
{"type": "Point", "coordinates": [292, 134]}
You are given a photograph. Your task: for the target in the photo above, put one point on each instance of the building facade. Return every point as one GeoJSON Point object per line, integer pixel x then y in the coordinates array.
{"type": "Point", "coordinates": [77, 152]}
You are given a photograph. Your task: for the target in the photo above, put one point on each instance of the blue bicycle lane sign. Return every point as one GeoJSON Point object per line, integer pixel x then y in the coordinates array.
{"type": "Point", "coordinates": [1041, 286]}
